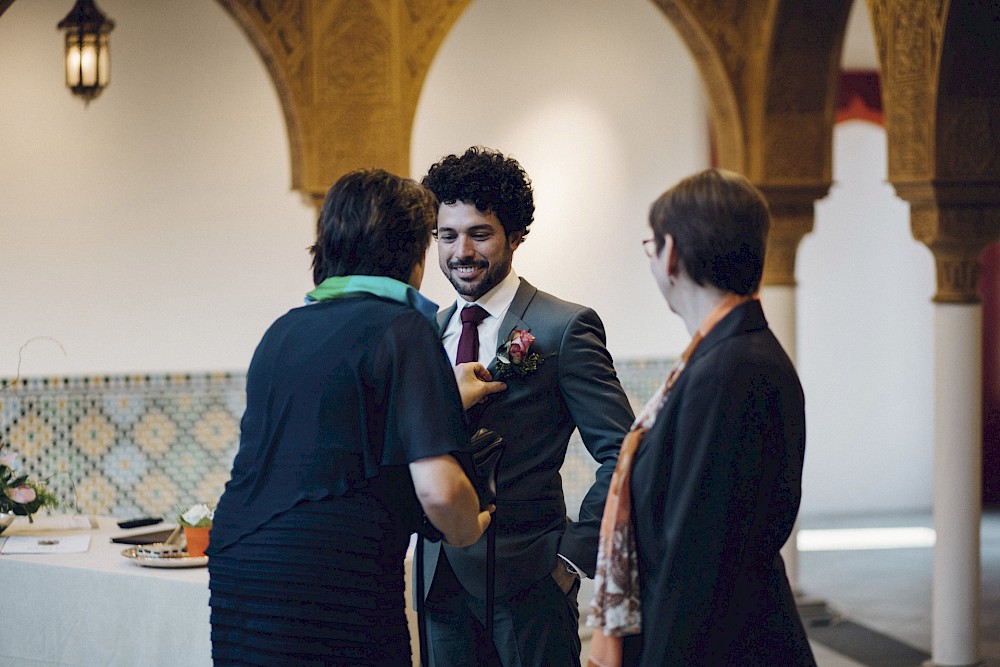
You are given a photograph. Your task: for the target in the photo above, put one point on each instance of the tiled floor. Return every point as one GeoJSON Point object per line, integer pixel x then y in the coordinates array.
{"type": "Point", "coordinates": [889, 590]}
{"type": "Point", "coordinates": [874, 606]}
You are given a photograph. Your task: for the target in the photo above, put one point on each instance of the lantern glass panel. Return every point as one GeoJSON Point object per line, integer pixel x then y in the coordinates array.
{"type": "Point", "coordinates": [103, 63]}
{"type": "Point", "coordinates": [88, 61]}
{"type": "Point", "coordinates": [72, 61]}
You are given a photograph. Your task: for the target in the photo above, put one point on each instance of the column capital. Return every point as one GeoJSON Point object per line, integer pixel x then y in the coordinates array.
{"type": "Point", "coordinates": [792, 216]}
{"type": "Point", "coordinates": [956, 221]}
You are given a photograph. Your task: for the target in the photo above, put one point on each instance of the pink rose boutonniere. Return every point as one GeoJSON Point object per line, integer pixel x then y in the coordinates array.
{"type": "Point", "coordinates": [513, 357]}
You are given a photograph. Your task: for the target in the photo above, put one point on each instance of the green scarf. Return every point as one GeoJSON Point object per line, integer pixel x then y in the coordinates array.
{"type": "Point", "coordinates": [338, 287]}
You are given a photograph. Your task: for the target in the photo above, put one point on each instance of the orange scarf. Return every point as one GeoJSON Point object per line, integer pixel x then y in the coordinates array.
{"type": "Point", "coordinates": [615, 611]}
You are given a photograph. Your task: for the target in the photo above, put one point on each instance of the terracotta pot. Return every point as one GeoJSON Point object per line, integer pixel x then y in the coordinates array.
{"type": "Point", "coordinates": [197, 540]}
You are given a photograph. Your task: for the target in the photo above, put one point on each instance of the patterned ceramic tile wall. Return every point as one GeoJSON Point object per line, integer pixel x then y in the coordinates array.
{"type": "Point", "coordinates": [146, 444]}
{"type": "Point", "coordinates": [126, 445]}
{"type": "Point", "coordinates": [639, 378]}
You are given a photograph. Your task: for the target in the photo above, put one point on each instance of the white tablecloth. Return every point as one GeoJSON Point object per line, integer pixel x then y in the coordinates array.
{"type": "Point", "coordinates": [98, 608]}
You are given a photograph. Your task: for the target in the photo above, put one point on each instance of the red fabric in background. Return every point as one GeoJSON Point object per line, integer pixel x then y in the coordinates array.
{"type": "Point", "coordinates": [859, 97]}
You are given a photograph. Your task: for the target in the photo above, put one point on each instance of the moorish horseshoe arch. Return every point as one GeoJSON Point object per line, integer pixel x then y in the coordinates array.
{"type": "Point", "coordinates": [348, 75]}
{"type": "Point", "coordinates": [770, 71]}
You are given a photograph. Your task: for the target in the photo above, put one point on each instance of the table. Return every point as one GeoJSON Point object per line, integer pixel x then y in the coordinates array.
{"type": "Point", "coordinates": [98, 608]}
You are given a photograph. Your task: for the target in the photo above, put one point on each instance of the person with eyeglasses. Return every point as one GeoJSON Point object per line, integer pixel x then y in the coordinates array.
{"type": "Point", "coordinates": [560, 376]}
{"type": "Point", "coordinates": [709, 480]}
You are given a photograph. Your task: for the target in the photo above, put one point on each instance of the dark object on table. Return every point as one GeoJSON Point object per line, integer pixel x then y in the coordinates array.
{"type": "Point", "coordinates": [139, 523]}
{"type": "Point", "coordinates": [144, 538]}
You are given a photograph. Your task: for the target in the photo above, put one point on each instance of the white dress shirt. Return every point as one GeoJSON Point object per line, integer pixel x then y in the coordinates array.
{"type": "Point", "coordinates": [496, 302]}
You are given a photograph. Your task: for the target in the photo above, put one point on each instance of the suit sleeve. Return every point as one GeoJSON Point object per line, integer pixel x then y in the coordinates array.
{"type": "Point", "coordinates": [601, 411]}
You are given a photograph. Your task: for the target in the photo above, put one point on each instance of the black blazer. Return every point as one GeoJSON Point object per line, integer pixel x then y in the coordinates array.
{"type": "Point", "coordinates": [576, 387]}
{"type": "Point", "coordinates": [715, 489]}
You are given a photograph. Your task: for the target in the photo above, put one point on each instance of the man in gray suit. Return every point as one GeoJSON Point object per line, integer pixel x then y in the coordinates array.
{"type": "Point", "coordinates": [559, 376]}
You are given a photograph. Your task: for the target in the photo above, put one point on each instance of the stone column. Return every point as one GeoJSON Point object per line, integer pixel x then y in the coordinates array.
{"type": "Point", "coordinates": [957, 479]}
{"type": "Point", "coordinates": [956, 221]}
{"type": "Point", "coordinates": [779, 307]}
{"type": "Point", "coordinates": [791, 219]}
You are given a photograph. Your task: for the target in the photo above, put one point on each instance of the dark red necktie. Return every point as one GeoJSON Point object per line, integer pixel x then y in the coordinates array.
{"type": "Point", "coordinates": [468, 342]}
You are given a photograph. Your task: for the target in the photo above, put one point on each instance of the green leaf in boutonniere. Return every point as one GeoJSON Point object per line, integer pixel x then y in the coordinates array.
{"type": "Point", "coordinates": [513, 358]}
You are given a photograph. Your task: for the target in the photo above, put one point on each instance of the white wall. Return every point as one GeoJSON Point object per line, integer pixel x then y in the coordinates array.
{"type": "Point", "coordinates": [865, 340]}
{"type": "Point", "coordinates": [865, 329]}
{"type": "Point", "coordinates": [156, 231]}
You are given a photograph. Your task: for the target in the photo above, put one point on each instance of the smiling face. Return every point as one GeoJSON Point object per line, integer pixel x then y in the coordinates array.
{"type": "Point", "coordinates": [474, 251]}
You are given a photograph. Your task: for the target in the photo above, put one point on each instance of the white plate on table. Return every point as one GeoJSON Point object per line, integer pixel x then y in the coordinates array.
{"type": "Point", "coordinates": [165, 561]}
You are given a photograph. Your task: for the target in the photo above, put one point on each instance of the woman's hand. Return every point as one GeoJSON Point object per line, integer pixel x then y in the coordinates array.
{"type": "Point", "coordinates": [448, 499]}
{"type": "Point", "coordinates": [474, 383]}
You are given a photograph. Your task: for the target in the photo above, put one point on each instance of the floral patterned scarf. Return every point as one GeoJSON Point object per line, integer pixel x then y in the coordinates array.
{"type": "Point", "coordinates": [615, 611]}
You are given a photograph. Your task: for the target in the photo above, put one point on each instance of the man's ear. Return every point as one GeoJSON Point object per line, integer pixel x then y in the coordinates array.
{"type": "Point", "coordinates": [514, 239]}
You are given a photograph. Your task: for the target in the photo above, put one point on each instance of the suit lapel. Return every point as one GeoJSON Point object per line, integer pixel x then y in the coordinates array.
{"type": "Point", "coordinates": [512, 319]}
{"type": "Point", "coordinates": [444, 316]}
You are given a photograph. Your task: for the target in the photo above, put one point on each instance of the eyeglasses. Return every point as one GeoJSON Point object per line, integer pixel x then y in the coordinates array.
{"type": "Point", "coordinates": [649, 245]}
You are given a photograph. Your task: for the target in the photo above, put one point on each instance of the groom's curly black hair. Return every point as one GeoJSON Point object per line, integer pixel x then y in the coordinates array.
{"type": "Point", "coordinates": [486, 179]}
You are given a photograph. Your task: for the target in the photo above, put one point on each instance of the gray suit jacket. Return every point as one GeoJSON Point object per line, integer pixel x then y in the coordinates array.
{"type": "Point", "coordinates": [575, 387]}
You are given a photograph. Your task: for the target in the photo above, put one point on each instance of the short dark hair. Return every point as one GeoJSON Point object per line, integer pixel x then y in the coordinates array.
{"type": "Point", "coordinates": [373, 223]}
{"type": "Point", "coordinates": [719, 222]}
{"type": "Point", "coordinates": [489, 181]}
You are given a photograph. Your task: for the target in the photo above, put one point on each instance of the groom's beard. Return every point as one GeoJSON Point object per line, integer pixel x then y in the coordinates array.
{"type": "Point", "coordinates": [492, 275]}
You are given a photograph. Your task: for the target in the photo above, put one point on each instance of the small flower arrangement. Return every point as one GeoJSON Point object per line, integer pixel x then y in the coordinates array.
{"type": "Point", "coordinates": [513, 357]}
{"type": "Point", "coordinates": [19, 494]}
{"type": "Point", "coordinates": [199, 515]}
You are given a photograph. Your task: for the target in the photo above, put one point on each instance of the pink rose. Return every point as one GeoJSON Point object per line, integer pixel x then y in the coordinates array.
{"type": "Point", "coordinates": [22, 494]}
{"type": "Point", "coordinates": [519, 344]}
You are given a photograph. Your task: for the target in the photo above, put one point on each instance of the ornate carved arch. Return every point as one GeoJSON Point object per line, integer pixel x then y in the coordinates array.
{"type": "Point", "coordinates": [942, 90]}
{"type": "Point", "coordinates": [770, 70]}
{"type": "Point", "coordinates": [968, 100]}
{"type": "Point", "coordinates": [714, 43]}
{"type": "Point", "coordinates": [277, 32]}
{"type": "Point", "coordinates": [348, 74]}
{"type": "Point", "coordinates": [799, 81]}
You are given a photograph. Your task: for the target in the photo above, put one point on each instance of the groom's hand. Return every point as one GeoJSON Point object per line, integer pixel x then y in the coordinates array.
{"type": "Point", "coordinates": [564, 578]}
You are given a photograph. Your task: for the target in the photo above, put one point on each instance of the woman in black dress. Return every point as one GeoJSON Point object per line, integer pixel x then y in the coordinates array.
{"type": "Point", "coordinates": [716, 481]}
{"type": "Point", "coordinates": [352, 412]}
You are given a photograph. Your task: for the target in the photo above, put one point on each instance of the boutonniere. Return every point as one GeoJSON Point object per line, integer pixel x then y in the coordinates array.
{"type": "Point", "coordinates": [513, 357]}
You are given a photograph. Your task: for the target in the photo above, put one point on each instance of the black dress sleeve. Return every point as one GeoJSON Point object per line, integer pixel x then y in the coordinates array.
{"type": "Point", "coordinates": [423, 410]}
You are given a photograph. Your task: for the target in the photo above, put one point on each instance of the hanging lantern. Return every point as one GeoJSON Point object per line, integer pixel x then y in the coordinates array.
{"type": "Point", "coordinates": [88, 61]}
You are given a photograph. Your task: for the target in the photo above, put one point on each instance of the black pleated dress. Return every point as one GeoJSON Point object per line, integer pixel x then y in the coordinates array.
{"type": "Point", "coordinates": [308, 540]}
